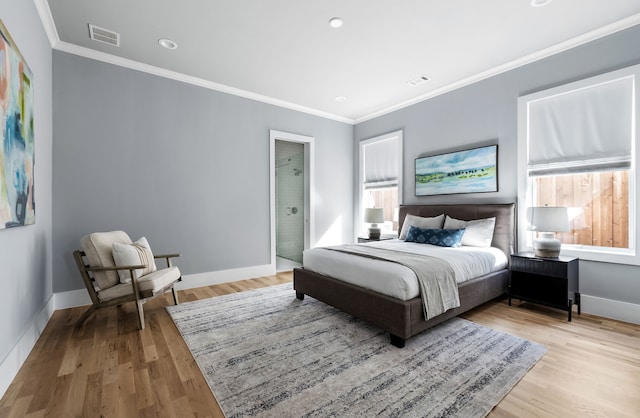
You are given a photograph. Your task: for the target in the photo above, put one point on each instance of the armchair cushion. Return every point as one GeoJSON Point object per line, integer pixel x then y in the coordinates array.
{"type": "Point", "coordinates": [133, 254]}
{"type": "Point", "coordinates": [98, 248]}
{"type": "Point", "coordinates": [153, 282]}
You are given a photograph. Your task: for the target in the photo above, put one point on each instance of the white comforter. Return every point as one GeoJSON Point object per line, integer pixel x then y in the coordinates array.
{"type": "Point", "coordinates": [394, 279]}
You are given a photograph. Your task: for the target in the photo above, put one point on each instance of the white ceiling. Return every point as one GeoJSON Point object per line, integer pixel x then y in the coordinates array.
{"type": "Point", "coordinates": [284, 51]}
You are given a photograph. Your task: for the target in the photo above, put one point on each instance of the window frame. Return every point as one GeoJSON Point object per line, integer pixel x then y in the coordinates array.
{"type": "Point", "coordinates": [359, 230]}
{"type": "Point", "coordinates": [629, 255]}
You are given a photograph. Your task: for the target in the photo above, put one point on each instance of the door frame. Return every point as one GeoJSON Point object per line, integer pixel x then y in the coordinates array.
{"type": "Point", "coordinates": [309, 157]}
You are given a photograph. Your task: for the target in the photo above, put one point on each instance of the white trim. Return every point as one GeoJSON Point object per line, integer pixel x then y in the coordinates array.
{"type": "Point", "coordinates": [528, 59]}
{"type": "Point", "coordinates": [80, 297]}
{"type": "Point", "coordinates": [47, 22]}
{"type": "Point", "coordinates": [196, 81]}
{"type": "Point", "coordinates": [609, 308]}
{"type": "Point", "coordinates": [309, 187]}
{"type": "Point", "coordinates": [191, 281]}
{"type": "Point", "coordinates": [50, 28]}
{"type": "Point", "coordinates": [631, 255]}
{"type": "Point", "coordinates": [18, 355]}
{"type": "Point", "coordinates": [359, 210]}
{"type": "Point", "coordinates": [72, 298]}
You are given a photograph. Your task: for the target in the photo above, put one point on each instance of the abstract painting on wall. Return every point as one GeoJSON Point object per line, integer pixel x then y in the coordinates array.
{"type": "Point", "coordinates": [17, 204]}
{"type": "Point", "coordinates": [469, 171]}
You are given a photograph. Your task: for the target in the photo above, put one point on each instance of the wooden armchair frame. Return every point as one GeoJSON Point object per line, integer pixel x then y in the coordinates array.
{"type": "Point", "coordinates": [136, 295]}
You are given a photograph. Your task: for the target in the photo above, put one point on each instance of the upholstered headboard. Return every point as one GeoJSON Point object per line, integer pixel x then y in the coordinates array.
{"type": "Point", "coordinates": [504, 233]}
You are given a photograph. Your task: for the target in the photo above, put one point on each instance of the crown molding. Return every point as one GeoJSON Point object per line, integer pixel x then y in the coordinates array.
{"type": "Point", "coordinates": [46, 18]}
{"type": "Point", "coordinates": [161, 72]}
{"type": "Point", "coordinates": [536, 56]}
{"type": "Point", "coordinates": [50, 28]}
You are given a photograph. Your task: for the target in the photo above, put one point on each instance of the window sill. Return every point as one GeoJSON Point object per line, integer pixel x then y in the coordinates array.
{"type": "Point", "coordinates": [602, 255]}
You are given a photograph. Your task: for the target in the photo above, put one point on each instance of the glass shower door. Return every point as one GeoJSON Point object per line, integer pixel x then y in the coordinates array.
{"type": "Point", "coordinates": [290, 200]}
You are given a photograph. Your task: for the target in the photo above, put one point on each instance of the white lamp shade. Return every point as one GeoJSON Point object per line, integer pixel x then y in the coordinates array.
{"type": "Point", "coordinates": [374, 215]}
{"type": "Point", "coordinates": [548, 219]}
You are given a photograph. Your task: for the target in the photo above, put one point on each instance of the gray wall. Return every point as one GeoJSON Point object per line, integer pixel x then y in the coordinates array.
{"type": "Point", "coordinates": [184, 166]}
{"type": "Point", "coordinates": [25, 252]}
{"type": "Point", "coordinates": [487, 110]}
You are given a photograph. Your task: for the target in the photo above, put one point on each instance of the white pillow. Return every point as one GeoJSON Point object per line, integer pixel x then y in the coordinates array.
{"type": "Point", "coordinates": [132, 255]}
{"type": "Point", "coordinates": [420, 222]}
{"type": "Point", "coordinates": [478, 233]}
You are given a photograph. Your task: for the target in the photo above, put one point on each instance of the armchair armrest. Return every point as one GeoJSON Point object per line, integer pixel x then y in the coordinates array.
{"type": "Point", "coordinates": [167, 257]}
{"type": "Point", "coordinates": [174, 255]}
{"type": "Point", "coordinates": [132, 269]}
{"type": "Point", "coordinates": [115, 268]}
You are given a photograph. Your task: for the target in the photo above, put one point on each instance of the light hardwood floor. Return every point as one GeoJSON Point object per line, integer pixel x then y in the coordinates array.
{"type": "Point", "coordinates": [109, 368]}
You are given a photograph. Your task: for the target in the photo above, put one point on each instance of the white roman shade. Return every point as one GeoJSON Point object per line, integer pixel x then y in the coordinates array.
{"type": "Point", "coordinates": [381, 163]}
{"type": "Point", "coordinates": [586, 129]}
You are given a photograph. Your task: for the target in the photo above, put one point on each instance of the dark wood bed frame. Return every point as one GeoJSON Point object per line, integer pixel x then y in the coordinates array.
{"type": "Point", "coordinates": [404, 319]}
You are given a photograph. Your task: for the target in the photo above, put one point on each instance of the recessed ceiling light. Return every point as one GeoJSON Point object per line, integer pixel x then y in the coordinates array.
{"type": "Point", "coordinates": [341, 99]}
{"type": "Point", "coordinates": [539, 3]}
{"type": "Point", "coordinates": [167, 43]}
{"type": "Point", "coordinates": [335, 22]}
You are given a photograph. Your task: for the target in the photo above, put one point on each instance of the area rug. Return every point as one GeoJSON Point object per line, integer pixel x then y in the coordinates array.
{"type": "Point", "coordinates": [265, 353]}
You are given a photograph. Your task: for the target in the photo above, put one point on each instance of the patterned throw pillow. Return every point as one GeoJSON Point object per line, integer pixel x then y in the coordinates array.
{"type": "Point", "coordinates": [441, 237]}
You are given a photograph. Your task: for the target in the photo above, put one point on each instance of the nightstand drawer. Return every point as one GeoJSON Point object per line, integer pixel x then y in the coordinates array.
{"type": "Point", "coordinates": [537, 288]}
{"type": "Point", "coordinates": [548, 281]}
{"type": "Point", "coordinates": [543, 266]}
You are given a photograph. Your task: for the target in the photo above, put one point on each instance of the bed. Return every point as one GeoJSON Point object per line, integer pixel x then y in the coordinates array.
{"type": "Point", "coordinates": [403, 319]}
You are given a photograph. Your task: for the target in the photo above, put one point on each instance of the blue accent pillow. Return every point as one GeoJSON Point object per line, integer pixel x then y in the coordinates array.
{"type": "Point", "coordinates": [441, 237]}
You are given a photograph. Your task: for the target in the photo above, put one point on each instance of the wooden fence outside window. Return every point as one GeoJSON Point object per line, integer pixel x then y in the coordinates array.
{"type": "Point", "coordinates": [598, 206]}
{"type": "Point", "coordinates": [387, 199]}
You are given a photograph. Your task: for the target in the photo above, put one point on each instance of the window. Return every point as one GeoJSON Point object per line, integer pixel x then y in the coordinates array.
{"type": "Point", "coordinates": [381, 178]}
{"type": "Point", "coordinates": [598, 205]}
{"type": "Point", "coordinates": [577, 150]}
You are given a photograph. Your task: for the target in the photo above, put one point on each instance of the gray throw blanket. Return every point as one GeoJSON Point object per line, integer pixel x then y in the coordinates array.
{"type": "Point", "coordinates": [438, 286]}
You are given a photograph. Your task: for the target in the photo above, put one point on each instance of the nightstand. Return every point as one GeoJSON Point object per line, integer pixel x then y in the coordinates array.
{"type": "Point", "coordinates": [383, 237]}
{"type": "Point", "coordinates": [547, 281]}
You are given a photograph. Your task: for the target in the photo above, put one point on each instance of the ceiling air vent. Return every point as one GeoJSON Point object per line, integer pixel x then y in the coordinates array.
{"type": "Point", "coordinates": [104, 35]}
{"type": "Point", "coordinates": [418, 81]}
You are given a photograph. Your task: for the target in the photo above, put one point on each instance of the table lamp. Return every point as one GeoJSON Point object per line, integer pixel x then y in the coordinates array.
{"type": "Point", "coordinates": [547, 221]}
{"type": "Point", "coordinates": [374, 216]}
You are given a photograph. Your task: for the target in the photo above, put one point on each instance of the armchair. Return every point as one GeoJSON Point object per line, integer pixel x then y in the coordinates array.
{"type": "Point", "coordinates": [109, 260]}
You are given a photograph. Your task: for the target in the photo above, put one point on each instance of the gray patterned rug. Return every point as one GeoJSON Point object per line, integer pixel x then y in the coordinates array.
{"type": "Point", "coordinates": [265, 353]}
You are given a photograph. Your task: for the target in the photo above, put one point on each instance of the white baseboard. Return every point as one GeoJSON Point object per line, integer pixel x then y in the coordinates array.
{"type": "Point", "coordinates": [608, 308]}
{"type": "Point", "coordinates": [623, 311]}
{"type": "Point", "coordinates": [190, 281]}
{"type": "Point", "coordinates": [80, 297]}
{"type": "Point", "coordinates": [18, 355]}
{"type": "Point", "coordinates": [72, 298]}
{"type": "Point", "coordinates": [15, 359]}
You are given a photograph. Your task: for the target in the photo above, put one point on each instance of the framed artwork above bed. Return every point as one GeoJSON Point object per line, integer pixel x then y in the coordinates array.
{"type": "Point", "coordinates": [470, 171]}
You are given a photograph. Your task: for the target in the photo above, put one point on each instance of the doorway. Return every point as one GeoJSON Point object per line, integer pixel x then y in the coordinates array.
{"type": "Point", "coordinates": [290, 199]}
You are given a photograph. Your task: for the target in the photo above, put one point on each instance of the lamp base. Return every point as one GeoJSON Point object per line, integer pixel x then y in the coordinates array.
{"type": "Point", "coordinates": [374, 232]}
{"type": "Point", "coordinates": [546, 246]}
